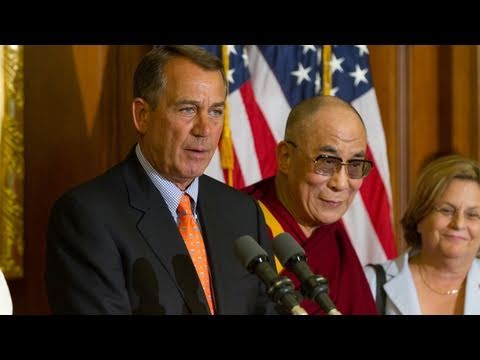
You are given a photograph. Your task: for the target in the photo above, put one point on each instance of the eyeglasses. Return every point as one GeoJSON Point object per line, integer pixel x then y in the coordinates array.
{"type": "Point", "coordinates": [449, 212]}
{"type": "Point", "coordinates": [328, 165]}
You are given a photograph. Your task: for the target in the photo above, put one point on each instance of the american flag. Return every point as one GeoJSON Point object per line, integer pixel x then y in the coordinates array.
{"type": "Point", "coordinates": [265, 82]}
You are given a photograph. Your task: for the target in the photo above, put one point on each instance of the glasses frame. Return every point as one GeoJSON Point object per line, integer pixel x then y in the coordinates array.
{"type": "Point", "coordinates": [340, 162]}
{"type": "Point", "coordinates": [450, 212]}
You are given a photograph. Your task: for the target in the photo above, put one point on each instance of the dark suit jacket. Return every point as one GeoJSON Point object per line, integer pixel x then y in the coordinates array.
{"type": "Point", "coordinates": [114, 248]}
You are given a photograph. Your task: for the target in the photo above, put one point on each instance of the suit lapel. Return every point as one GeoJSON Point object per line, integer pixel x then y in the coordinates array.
{"type": "Point", "coordinates": [400, 288]}
{"type": "Point", "coordinates": [160, 231]}
{"type": "Point", "coordinates": [216, 243]}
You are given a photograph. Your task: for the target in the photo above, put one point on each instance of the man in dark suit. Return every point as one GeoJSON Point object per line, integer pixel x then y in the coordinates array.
{"type": "Point", "coordinates": [114, 246]}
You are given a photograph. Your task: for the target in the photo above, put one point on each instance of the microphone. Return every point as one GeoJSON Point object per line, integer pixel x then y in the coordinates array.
{"type": "Point", "coordinates": [280, 289]}
{"type": "Point", "coordinates": [292, 256]}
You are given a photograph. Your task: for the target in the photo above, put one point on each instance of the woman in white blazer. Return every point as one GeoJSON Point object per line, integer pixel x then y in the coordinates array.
{"type": "Point", "coordinates": [6, 307]}
{"type": "Point", "coordinates": [440, 272]}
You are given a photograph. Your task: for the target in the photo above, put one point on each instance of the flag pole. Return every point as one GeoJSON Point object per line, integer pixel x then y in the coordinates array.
{"type": "Point", "coordinates": [327, 74]}
{"type": "Point", "coordinates": [226, 145]}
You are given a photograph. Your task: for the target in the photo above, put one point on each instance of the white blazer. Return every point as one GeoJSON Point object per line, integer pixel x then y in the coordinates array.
{"type": "Point", "coordinates": [401, 293]}
{"type": "Point", "coordinates": [6, 307]}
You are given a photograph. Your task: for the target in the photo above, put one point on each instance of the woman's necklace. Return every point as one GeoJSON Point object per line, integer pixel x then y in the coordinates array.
{"type": "Point", "coordinates": [448, 292]}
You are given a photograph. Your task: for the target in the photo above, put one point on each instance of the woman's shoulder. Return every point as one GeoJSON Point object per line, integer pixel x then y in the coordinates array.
{"type": "Point", "coordinates": [393, 266]}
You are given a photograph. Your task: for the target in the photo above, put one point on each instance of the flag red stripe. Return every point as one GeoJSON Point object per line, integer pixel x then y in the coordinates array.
{"type": "Point", "coordinates": [376, 202]}
{"type": "Point", "coordinates": [238, 179]}
{"type": "Point", "coordinates": [263, 139]}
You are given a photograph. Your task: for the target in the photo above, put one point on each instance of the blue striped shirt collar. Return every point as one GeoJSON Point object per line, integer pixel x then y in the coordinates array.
{"type": "Point", "coordinates": [170, 192]}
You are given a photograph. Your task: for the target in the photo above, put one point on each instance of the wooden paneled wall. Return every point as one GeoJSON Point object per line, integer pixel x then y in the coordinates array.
{"type": "Point", "coordinates": [78, 123]}
{"type": "Point", "coordinates": [429, 101]}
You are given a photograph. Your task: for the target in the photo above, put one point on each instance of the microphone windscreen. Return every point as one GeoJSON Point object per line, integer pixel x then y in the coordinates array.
{"type": "Point", "coordinates": [247, 249]}
{"type": "Point", "coordinates": [285, 246]}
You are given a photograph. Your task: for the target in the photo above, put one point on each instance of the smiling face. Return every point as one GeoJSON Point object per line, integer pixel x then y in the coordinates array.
{"type": "Point", "coordinates": [180, 136]}
{"type": "Point", "coordinates": [315, 199]}
{"type": "Point", "coordinates": [452, 228]}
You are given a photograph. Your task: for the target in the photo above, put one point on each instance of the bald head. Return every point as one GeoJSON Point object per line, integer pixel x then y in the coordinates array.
{"type": "Point", "coordinates": [299, 121]}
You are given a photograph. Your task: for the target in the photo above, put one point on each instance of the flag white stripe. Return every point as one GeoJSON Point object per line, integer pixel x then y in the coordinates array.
{"type": "Point", "coordinates": [214, 169]}
{"type": "Point", "coordinates": [242, 138]}
{"type": "Point", "coordinates": [271, 100]}
{"type": "Point", "coordinates": [367, 106]}
{"type": "Point", "coordinates": [362, 233]}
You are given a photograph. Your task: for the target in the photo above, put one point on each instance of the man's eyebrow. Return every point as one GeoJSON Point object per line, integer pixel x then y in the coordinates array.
{"type": "Point", "coordinates": [187, 102]}
{"type": "Point", "coordinates": [359, 154]}
{"type": "Point", "coordinates": [197, 103]}
{"type": "Point", "coordinates": [330, 149]}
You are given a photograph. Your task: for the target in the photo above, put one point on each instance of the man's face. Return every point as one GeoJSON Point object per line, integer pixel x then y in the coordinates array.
{"type": "Point", "coordinates": [181, 135]}
{"type": "Point", "coordinates": [315, 199]}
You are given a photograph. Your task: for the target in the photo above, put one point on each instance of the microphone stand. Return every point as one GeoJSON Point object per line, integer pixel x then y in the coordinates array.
{"type": "Point", "coordinates": [284, 286]}
{"type": "Point", "coordinates": [316, 288]}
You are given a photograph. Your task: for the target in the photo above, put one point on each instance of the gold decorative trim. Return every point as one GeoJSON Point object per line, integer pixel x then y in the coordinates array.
{"type": "Point", "coordinates": [275, 227]}
{"type": "Point", "coordinates": [11, 160]}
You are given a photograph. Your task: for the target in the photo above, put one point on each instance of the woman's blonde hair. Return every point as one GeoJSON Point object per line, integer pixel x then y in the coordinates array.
{"type": "Point", "coordinates": [431, 184]}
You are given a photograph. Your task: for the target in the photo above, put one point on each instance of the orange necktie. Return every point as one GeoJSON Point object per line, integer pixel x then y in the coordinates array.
{"type": "Point", "coordinates": [193, 240]}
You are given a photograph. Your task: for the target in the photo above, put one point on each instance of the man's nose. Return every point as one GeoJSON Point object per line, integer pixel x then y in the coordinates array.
{"type": "Point", "coordinates": [339, 180]}
{"type": "Point", "coordinates": [202, 126]}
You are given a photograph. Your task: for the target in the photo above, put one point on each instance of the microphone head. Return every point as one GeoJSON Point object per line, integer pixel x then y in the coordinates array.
{"type": "Point", "coordinates": [285, 246]}
{"type": "Point", "coordinates": [247, 250]}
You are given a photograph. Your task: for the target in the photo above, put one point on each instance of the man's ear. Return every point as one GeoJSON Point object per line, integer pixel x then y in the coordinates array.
{"type": "Point", "coordinates": [283, 157]}
{"type": "Point", "coordinates": [141, 115]}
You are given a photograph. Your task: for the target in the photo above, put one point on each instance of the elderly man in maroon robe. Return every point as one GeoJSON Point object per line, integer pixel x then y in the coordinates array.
{"type": "Point", "coordinates": [321, 165]}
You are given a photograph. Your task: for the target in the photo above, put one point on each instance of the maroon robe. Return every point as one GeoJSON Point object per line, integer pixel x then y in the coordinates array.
{"type": "Point", "coordinates": [329, 253]}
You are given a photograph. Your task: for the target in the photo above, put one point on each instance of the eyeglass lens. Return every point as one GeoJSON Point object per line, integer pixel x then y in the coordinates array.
{"type": "Point", "coordinates": [356, 169]}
